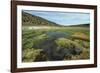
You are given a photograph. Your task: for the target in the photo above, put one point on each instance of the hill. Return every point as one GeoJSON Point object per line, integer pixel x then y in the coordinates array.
{"type": "Point", "coordinates": [81, 25]}
{"type": "Point", "coordinates": [32, 20]}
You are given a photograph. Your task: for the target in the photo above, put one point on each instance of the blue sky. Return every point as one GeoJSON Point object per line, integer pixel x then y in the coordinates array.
{"type": "Point", "coordinates": [62, 18]}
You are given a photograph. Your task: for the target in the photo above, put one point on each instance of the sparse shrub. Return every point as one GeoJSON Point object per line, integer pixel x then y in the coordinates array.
{"type": "Point", "coordinates": [62, 42]}
{"type": "Point", "coordinates": [69, 44]}
{"type": "Point", "coordinates": [86, 44]}
{"type": "Point", "coordinates": [77, 40]}
{"type": "Point", "coordinates": [83, 43]}
{"type": "Point", "coordinates": [75, 57]}
{"type": "Point", "coordinates": [29, 55]}
{"type": "Point", "coordinates": [41, 57]}
{"type": "Point", "coordinates": [27, 43]}
{"type": "Point", "coordinates": [37, 40]}
{"type": "Point", "coordinates": [68, 57]}
{"type": "Point", "coordinates": [85, 54]}
{"type": "Point", "coordinates": [73, 49]}
{"type": "Point", "coordinates": [79, 35]}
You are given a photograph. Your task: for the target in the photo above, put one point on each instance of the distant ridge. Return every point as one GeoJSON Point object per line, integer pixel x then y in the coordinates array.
{"type": "Point", "coordinates": [80, 25]}
{"type": "Point", "coordinates": [32, 20]}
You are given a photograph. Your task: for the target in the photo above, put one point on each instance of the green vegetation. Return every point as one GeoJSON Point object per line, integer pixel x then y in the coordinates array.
{"type": "Point", "coordinates": [65, 47]}
{"type": "Point", "coordinates": [53, 43]}
{"type": "Point", "coordinates": [69, 44]}
{"type": "Point", "coordinates": [79, 35]}
{"type": "Point", "coordinates": [30, 54]}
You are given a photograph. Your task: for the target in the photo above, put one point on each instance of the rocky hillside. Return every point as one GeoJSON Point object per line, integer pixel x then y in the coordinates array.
{"type": "Point", "coordinates": [32, 20]}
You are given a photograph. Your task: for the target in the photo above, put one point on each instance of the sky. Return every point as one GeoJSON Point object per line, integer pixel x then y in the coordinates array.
{"type": "Point", "coordinates": [62, 18]}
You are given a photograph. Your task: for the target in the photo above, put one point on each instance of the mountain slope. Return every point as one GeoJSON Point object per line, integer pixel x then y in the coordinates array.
{"type": "Point", "coordinates": [32, 20]}
{"type": "Point", "coordinates": [81, 25]}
